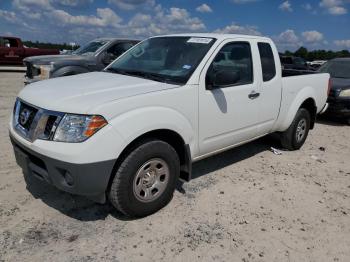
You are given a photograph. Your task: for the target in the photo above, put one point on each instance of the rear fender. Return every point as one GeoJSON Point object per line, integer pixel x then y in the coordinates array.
{"type": "Point", "coordinates": [289, 110]}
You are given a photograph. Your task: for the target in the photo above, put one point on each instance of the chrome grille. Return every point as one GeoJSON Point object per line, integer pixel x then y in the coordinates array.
{"type": "Point", "coordinates": [32, 122]}
{"type": "Point", "coordinates": [26, 116]}
{"type": "Point", "coordinates": [31, 70]}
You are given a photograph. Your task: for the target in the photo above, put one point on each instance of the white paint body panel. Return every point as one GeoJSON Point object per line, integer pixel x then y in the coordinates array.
{"type": "Point", "coordinates": [208, 121]}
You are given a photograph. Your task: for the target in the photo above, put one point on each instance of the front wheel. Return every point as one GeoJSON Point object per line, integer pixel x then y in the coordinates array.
{"type": "Point", "coordinates": [294, 137]}
{"type": "Point", "coordinates": [145, 181]}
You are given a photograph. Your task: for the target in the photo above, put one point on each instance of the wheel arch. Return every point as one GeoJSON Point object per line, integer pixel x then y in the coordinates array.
{"type": "Point", "coordinates": [169, 136]}
{"type": "Point", "coordinates": [304, 99]}
{"type": "Point", "coordinates": [310, 105]}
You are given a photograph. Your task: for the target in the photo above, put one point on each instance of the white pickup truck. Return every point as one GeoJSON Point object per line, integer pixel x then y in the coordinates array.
{"type": "Point", "coordinates": [130, 132]}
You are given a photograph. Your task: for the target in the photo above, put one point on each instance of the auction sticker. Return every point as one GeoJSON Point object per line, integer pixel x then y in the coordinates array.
{"type": "Point", "coordinates": [199, 40]}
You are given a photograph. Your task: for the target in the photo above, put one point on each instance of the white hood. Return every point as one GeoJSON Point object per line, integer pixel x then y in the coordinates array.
{"type": "Point", "coordinates": [79, 93]}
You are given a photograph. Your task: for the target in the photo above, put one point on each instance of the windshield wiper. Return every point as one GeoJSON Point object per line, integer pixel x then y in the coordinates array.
{"type": "Point", "coordinates": [152, 76]}
{"type": "Point", "coordinates": [118, 71]}
{"type": "Point", "coordinates": [147, 75]}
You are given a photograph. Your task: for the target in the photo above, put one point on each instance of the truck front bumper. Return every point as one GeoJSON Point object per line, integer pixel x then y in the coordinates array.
{"type": "Point", "coordinates": [88, 179]}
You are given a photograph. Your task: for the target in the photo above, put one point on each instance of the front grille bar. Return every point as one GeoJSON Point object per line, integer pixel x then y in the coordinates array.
{"type": "Point", "coordinates": [37, 127]}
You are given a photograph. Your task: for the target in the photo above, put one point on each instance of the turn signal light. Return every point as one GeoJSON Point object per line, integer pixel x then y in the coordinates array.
{"type": "Point", "coordinates": [96, 123]}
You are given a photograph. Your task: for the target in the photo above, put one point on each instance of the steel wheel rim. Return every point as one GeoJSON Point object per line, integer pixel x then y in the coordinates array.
{"type": "Point", "coordinates": [301, 130]}
{"type": "Point", "coordinates": [151, 180]}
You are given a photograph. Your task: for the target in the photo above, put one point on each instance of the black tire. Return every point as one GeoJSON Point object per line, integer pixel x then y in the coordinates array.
{"type": "Point", "coordinates": [121, 193]}
{"type": "Point", "coordinates": [289, 138]}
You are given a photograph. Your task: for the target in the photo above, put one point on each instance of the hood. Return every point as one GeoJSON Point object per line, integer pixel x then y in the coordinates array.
{"type": "Point", "coordinates": [81, 93]}
{"type": "Point", "coordinates": [55, 59]}
{"type": "Point", "coordinates": [340, 83]}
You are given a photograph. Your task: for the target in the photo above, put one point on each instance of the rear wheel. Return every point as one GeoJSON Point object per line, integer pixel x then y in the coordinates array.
{"type": "Point", "coordinates": [145, 181]}
{"type": "Point", "coordinates": [294, 137]}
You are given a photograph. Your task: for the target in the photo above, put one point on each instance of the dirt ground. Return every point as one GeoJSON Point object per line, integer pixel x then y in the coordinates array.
{"type": "Point", "coordinates": [246, 204]}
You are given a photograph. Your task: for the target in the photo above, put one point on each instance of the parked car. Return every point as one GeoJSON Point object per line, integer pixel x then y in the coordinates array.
{"type": "Point", "coordinates": [292, 62]}
{"type": "Point", "coordinates": [12, 51]}
{"type": "Point", "coordinates": [317, 64]}
{"type": "Point", "coordinates": [94, 56]}
{"type": "Point", "coordinates": [339, 97]}
{"type": "Point", "coordinates": [131, 131]}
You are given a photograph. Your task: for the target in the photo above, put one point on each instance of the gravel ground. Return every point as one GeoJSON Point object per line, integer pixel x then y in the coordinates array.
{"type": "Point", "coordinates": [246, 204]}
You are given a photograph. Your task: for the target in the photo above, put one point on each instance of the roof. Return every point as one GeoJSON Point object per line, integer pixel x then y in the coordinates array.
{"type": "Point", "coordinates": [12, 37]}
{"type": "Point", "coordinates": [114, 39]}
{"type": "Point", "coordinates": [219, 36]}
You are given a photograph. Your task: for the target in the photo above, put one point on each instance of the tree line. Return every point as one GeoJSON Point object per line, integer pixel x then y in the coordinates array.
{"type": "Point", "coordinates": [38, 44]}
{"type": "Point", "coordinates": [317, 54]}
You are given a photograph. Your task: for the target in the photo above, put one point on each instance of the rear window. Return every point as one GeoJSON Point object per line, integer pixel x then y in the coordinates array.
{"type": "Point", "coordinates": [8, 42]}
{"type": "Point", "coordinates": [267, 61]}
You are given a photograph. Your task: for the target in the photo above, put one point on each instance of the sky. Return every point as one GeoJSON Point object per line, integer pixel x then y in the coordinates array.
{"type": "Point", "coordinates": [315, 24]}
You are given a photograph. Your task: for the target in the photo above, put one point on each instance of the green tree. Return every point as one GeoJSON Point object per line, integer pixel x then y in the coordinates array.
{"type": "Point", "coordinates": [302, 52]}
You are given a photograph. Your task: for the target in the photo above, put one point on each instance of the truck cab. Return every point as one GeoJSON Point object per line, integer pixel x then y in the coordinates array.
{"type": "Point", "coordinates": [11, 50]}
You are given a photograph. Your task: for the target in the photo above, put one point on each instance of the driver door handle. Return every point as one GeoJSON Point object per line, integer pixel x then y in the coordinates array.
{"type": "Point", "coordinates": [253, 95]}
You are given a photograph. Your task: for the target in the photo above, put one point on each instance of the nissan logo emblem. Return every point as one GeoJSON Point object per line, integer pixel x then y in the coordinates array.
{"type": "Point", "coordinates": [24, 116]}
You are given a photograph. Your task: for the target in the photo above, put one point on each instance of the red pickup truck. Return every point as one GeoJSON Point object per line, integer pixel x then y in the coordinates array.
{"type": "Point", "coordinates": [12, 51]}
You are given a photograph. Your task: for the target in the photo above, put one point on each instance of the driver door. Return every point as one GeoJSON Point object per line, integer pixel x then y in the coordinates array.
{"type": "Point", "coordinates": [228, 97]}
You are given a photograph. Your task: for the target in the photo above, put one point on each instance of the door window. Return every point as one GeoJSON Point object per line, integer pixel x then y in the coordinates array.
{"type": "Point", "coordinates": [267, 61]}
{"type": "Point", "coordinates": [118, 49]}
{"type": "Point", "coordinates": [231, 66]}
{"type": "Point", "coordinates": [10, 42]}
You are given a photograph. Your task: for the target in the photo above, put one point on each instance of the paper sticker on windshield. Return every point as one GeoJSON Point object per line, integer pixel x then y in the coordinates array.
{"type": "Point", "coordinates": [199, 40]}
{"type": "Point", "coordinates": [186, 67]}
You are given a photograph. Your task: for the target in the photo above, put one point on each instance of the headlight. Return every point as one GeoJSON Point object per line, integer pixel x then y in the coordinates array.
{"type": "Point", "coordinates": [45, 71]}
{"type": "Point", "coordinates": [78, 128]}
{"type": "Point", "coordinates": [345, 93]}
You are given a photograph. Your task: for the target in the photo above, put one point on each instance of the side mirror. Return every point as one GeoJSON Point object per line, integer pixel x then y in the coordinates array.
{"type": "Point", "coordinates": [224, 78]}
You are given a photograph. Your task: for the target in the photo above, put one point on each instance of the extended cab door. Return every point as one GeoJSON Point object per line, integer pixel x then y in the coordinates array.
{"type": "Point", "coordinates": [229, 97]}
{"type": "Point", "coordinates": [270, 86]}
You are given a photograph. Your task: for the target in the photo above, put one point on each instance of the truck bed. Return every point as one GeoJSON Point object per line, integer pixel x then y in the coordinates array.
{"type": "Point", "coordinates": [293, 72]}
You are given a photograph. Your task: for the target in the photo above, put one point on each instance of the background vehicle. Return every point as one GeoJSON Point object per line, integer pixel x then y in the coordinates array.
{"type": "Point", "coordinates": [94, 56]}
{"type": "Point", "coordinates": [136, 128]}
{"type": "Point", "coordinates": [12, 51]}
{"type": "Point", "coordinates": [317, 64]}
{"type": "Point", "coordinates": [339, 96]}
{"type": "Point", "coordinates": [292, 62]}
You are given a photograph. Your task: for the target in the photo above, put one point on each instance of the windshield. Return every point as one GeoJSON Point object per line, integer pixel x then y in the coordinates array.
{"type": "Point", "coordinates": [337, 69]}
{"type": "Point", "coordinates": [164, 59]}
{"type": "Point", "coordinates": [90, 48]}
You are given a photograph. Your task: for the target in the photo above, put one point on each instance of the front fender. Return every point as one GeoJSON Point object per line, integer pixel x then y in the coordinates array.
{"type": "Point", "coordinates": [133, 124]}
